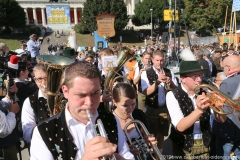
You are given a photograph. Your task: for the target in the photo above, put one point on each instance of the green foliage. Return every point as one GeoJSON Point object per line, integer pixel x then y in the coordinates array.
{"type": "Point", "coordinates": [143, 15]}
{"type": "Point", "coordinates": [95, 7]}
{"type": "Point", "coordinates": [208, 14]}
{"type": "Point", "coordinates": [80, 28]}
{"type": "Point", "coordinates": [11, 14]}
{"type": "Point", "coordinates": [31, 29]}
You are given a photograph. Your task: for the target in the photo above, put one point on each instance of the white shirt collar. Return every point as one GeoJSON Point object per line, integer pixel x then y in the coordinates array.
{"type": "Point", "coordinates": [189, 95]}
{"type": "Point", "coordinates": [18, 80]}
{"type": "Point", "coordinates": [40, 94]}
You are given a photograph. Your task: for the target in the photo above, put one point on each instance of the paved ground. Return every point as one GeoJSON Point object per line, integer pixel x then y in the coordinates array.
{"type": "Point", "coordinates": [53, 40]}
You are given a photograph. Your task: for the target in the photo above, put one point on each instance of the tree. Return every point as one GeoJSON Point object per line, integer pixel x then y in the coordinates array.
{"type": "Point", "coordinates": [11, 15]}
{"type": "Point", "coordinates": [205, 14]}
{"type": "Point", "coordinates": [95, 7]}
{"type": "Point", "coordinates": [143, 15]}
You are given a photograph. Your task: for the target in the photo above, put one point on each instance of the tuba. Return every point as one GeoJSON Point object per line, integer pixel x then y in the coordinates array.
{"type": "Point", "coordinates": [219, 101]}
{"type": "Point", "coordinates": [55, 68]}
{"type": "Point", "coordinates": [113, 75]}
{"type": "Point", "coordinates": [140, 143]}
{"type": "Point", "coordinates": [102, 131]}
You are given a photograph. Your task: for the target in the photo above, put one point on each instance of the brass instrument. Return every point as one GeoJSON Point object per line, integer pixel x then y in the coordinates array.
{"type": "Point", "coordinates": [166, 86]}
{"type": "Point", "coordinates": [140, 142]}
{"type": "Point", "coordinates": [219, 101]}
{"type": "Point", "coordinates": [102, 131]}
{"type": "Point", "coordinates": [55, 67]}
{"type": "Point", "coordinates": [113, 75]}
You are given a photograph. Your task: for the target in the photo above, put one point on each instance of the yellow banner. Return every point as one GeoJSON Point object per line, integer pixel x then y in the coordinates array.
{"type": "Point", "coordinates": [169, 15]}
{"type": "Point", "coordinates": [105, 24]}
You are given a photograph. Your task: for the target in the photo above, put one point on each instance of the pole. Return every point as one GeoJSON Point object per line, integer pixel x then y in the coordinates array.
{"type": "Point", "coordinates": [175, 5]}
{"type": "Point", "coordinates": [186, 28]}
{"type": "Point", "coordinates": [230, 31]}
{"type": "Point", "coordinates": [224, 29]}
{"type": "Point", "coordinates": [170, 22]}
{"type": "Point", "coordinates": [235, 30]}
{"type": "Point", "coordinates": [151, 27]}
{"type": "Point", "coordinates": [179, 29]}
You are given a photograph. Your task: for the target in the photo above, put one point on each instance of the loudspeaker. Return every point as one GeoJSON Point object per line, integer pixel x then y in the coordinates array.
{"type": "Point", "coordinates": [165, 37]}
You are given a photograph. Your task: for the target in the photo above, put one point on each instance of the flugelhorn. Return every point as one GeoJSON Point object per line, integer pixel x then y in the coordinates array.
{"type": "Point", "coordinates": [219, 101]}
{"type": "Point", "coordinates": [140, 143]}
{"type": "Point", "coordinates": [102, 131]}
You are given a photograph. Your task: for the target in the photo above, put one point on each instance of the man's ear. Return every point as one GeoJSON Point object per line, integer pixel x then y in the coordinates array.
{"type": "Point", "coordinates": [65, 91]}
{"type": "Point", "coordinates": [182, 79]}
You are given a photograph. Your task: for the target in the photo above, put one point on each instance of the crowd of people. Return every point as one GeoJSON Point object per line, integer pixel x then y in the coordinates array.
{"type": "Point", "coordinates": [149, 92]}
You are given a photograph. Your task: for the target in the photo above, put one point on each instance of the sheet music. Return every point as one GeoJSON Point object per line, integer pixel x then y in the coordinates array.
{"type": "Point", "coordinates": [109, 61]}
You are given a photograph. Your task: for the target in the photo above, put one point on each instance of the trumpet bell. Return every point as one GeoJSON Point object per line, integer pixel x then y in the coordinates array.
{"type": "Point", "coordinates": [219, 101]}
{"type": "Point", "coordinates": [141, 144]}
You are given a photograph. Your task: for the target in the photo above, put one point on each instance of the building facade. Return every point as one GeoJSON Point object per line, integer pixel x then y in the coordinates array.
{"type": "Point", "coordinates": [36, 10]}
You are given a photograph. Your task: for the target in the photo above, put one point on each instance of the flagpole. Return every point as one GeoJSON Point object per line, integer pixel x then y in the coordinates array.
{"type": "Point", "coordinates": [224, 28]}
{"type": "Point", "coordinates": [230, 31]}
{"type": "Point", "coordinates": [235, 20]}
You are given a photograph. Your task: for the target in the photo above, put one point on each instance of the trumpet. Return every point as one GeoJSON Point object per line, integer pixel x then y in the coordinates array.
{"type": "Point", "coordinates": [102, 133]}
{"type": "Point", "coordinates": [218, 100]}
{"type": "Point", "coordinates": [140, 143]}
{"type": "Point", "coordinates": [166, 86]}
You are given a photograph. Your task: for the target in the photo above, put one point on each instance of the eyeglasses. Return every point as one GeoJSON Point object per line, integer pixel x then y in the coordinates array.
{"type": "Point", "coordinates": [39, 80]}
{"type": "Point", "coordinates": [195, 76]}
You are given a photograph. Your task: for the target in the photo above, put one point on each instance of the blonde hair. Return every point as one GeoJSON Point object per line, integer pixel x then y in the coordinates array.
{"type": "Point", "coordinates": [157, 53]}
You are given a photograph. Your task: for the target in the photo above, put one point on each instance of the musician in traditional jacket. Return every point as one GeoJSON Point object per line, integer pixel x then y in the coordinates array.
{"type": "Point", "coordinates": [35, 108]}
{"type": "Point", "coordinates": [68, 135]}
{"type": "Point", "coordinates": [155, 82]}
{"type": "Point", "coordinates": [190, 115]}
{"type": "Point", "coordinates": [139, 67]}
{"type": "Point", "coordinates": [124, 99]}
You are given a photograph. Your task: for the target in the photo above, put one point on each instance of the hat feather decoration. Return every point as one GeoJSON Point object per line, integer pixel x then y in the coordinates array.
{"type": "Point", "coordinates": [187, 55]}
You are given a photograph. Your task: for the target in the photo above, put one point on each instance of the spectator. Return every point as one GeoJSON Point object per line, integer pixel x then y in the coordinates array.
{"type": "Point", "coordinates": [48, 40]}
{"type": "Point", "coordinates": [89, 58]}
{"type": "Point", "coordinates": [34, 45]}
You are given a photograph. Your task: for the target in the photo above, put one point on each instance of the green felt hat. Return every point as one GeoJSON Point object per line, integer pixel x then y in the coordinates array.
{"type": "Point", "coordinates": [189, 67]}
